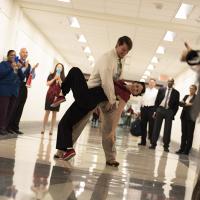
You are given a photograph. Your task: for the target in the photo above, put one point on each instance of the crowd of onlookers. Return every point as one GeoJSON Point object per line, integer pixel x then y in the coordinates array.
{"type": "Point", "coordinates": [158, 105]}
{"type": "Point", "coordinates": [163, 104]}
{"type": "Point", "coordinates": [16, 74]}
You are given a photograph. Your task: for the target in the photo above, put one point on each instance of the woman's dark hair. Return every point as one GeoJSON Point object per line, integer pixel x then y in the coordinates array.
{"type": "Point", "coordinates": [126, 40]}
{"type": "Point", "coordinates": [143, 85]}
{"type": "Point", "coordinates": [62, 73]}
{"type": "Point", "coordinates": [9, 52]}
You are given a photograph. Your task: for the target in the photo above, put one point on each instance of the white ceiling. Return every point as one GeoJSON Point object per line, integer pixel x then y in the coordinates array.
{"type": "Point", "coordinates": [103, 21]}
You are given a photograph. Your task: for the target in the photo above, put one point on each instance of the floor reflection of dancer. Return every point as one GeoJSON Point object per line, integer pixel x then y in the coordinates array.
{"type": "Point", "coordinates": [192, 57]}
{"type": "Point", "coordinates": [61, 186]}
{"type": "Point", "coordinates": [102, 186]}
{"type": "Point", "coordinates": [41, 171]}
{"type": "Point", "coordinates": [144, 180]}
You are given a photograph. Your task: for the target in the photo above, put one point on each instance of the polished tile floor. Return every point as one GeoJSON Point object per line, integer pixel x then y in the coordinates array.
{"type": "Point", "coordinates": [28, 170]}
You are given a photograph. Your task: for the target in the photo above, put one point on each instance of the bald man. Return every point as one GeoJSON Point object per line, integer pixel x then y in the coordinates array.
{"type": "Point", "coordinates": [167, 104]}
{"type": "Point", "coordinates": [23, 92]}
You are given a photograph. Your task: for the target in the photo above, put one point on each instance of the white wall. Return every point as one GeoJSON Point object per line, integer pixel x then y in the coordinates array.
{"type": "Point", "coordinates": [182, 84]}
{"type": "Point", "coordinates": [17, 31]}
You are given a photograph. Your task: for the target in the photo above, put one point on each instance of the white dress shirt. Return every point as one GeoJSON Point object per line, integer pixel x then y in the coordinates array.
{"type": "Point", "coordinates": [104, 72]}
{"type": "Point", "coordinates": [149, 97]}
{"type": "Point", "coordinates": [188, 99]}
{"type": "Point", "coordinates": [164, 100]}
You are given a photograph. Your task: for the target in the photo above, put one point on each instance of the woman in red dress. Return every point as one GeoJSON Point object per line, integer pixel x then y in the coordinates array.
{"type": "Point", "coordinates": [54, 82]}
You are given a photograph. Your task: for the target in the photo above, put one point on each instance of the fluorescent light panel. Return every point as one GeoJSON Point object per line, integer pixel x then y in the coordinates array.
{"type": "Point", "coordinates": [73, 21]}
{"type": "Point", "coordinates": [91, 58]}
{"type": "Point", "coordinates": [65, 1]}
{"type": "Point", "coordinates": [147, 73]}
{"type": "Point", "coordinates": [150, 67]}
{"type": "Point", "coordinates": [154, 60]}
{"type": "Point", "coordinates": [169, 36]}
{"type": "Point", "coordinates": [87, 50]}
{"type": "Point", "coordinates": [184, 11]}
{"type": "Point", "coordinates": [142, 80]}
{"type": "Point", "coordinates": [81, 38]}
{"type": "Point", "coordinates": [144, 77]}
{"type": "Point", "coordinates": [160, 50]}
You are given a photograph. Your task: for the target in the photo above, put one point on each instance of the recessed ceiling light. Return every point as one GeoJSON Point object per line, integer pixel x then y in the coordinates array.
{"type": "Point", "coordinates": [142, 80]}
{"type": "Point", "coordinates": [73, 21]}
{"type": "Point", "coordinates": [150, 67]}
{"type": "Point", "coordinates": [144, 77]}
{"type": "Point", "coordinates": [66, 1]}
{"type": "Point", "coordinates": [169, 36]}
{"type": "Point", "coordinates": [91, 58]}
{"type": "Point", "coordinates": [81, 38]}
{"type": "Point", "coordinates": [154, 60]}
{"type": "Point", "coordinates": [160, 50]}
{"type": "Point", "coordinates": [87, 50]}
{"type": "Point", "coordinates": [147, 73]}
{"type": "Point", "coordinates": [184, 11]}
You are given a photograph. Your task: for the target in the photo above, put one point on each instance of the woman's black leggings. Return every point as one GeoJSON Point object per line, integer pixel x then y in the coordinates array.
{"type": "Point", "coordinates": [85, 101]}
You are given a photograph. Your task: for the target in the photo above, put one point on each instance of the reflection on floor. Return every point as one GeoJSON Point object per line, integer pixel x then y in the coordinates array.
{"type": "Point", "coordinates": [28, 170]}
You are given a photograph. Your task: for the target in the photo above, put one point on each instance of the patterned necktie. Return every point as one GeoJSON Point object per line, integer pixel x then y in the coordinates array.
{"type": "Point", "coordinates": [119, 70]}
{"type": "Point", "coordinates": [167, 98]}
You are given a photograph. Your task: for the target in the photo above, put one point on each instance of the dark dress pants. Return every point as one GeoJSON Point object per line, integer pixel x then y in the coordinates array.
{"type": "Point", "coordinates": [168, 116]}
{"type": "Point", "coordinates": [7, 105]}
{"type": "Point", "coordinates": [85, 101]}
{"type": "Point", "coordinates": [187, 127]}
{"type": "Point", "coordinates": [147, 119]}
{"type": "Point", "coordinates": [18, 110]}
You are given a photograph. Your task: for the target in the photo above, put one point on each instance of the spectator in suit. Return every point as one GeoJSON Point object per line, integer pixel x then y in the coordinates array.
{"type": "Point", "coordinates": [167, 103]}
{"type": "Point", "coordinates": [23, 92]}
{"type": "Point", "coordinates": [187, 123]}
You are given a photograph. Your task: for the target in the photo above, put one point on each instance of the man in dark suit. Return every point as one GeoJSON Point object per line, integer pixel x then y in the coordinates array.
{"type": "Point", "coordinates": [167, 103]}
{"type": "Point", "coordinates": [187, 123]}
